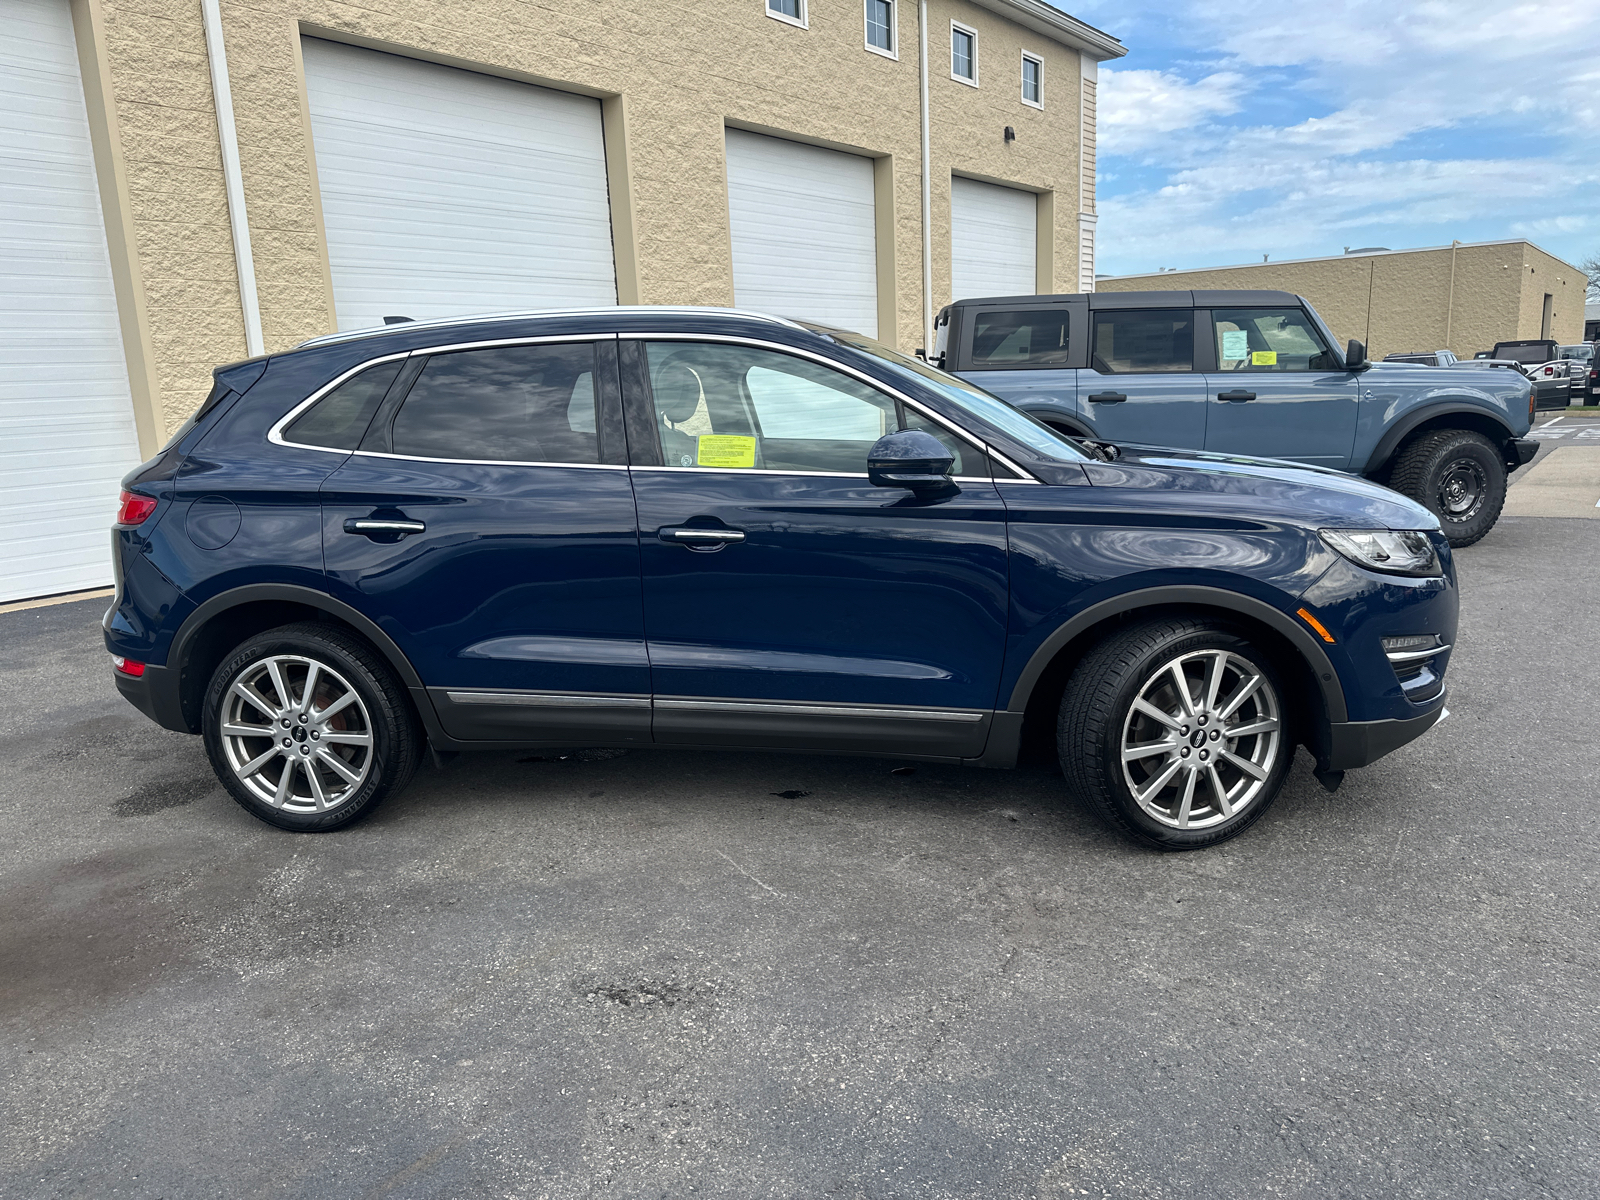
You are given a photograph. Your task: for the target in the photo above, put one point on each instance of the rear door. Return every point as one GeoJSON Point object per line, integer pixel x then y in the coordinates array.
{"type": "Point", "coordinates": [788, 601]}
{"type": "Point", "coordinates": [1276, 389]}
{"type": "Point", "coordinates": [1142, 384]}
{"type": "Point", "coordinates": [487, 525]}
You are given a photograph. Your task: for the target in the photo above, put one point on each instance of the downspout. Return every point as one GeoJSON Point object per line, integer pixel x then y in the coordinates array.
{"type": "Point", "coordinates": [1450, 305]}
{"type": "Point", "coordinates": [927, 185]}
{"type": "Point", "coordinates": [233, 177]}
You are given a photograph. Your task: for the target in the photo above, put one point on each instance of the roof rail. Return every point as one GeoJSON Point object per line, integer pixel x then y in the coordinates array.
{"type": "Point", "coordinates": [479, 318]}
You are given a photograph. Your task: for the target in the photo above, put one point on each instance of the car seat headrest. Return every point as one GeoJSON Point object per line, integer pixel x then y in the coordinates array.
{"type": "Point", "coordinates": [677, 390]}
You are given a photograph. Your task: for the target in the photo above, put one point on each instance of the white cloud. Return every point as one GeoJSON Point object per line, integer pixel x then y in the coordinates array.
{"type": "Point", "coordinates": [1138, 109]}
{"type": "Point", "coordinates": [1404, 119]}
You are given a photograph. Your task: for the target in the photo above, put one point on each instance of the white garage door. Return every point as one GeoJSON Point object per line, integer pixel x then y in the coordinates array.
{"type": "Point", "coordinates": [66, 419]}
{"type": "Point", "coordinates": [445, 192]}
{"type": "Point", "coordinates": [993, 238]}
{"type": "Point", "coordinates": [804, 231]}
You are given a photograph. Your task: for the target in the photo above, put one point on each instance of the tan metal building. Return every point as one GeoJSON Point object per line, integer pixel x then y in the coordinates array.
{"type": "Point", "coordinates": [1464, 297]}
{"type": "Point", "coordinates": [191, 182]}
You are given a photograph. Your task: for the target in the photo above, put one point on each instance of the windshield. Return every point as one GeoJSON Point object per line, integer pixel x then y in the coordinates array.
{"type": "Point", "coordinates": [986, 406]}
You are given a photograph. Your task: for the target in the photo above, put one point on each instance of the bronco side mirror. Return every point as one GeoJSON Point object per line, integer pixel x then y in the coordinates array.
{"type": "Point", "coordinates": [910, 459]}
{"type": "Point", "coordinates": [1355, 356]}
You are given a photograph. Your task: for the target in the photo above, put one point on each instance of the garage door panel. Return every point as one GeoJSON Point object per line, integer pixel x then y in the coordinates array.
{"type": "Point", "coordinates": [66, 416]}
{"type": "Point", "coordinates": [804, 231]}
{"type": "Point", "coordinates": [994, 235]}
{"type": "Point", "coordinates": [447, 192]}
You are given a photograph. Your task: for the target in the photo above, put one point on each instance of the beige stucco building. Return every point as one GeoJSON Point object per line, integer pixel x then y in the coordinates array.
{"type": "Point", "coordinates": [191, 182]}
{"type": "Point", "coordinates": [1463, 297]}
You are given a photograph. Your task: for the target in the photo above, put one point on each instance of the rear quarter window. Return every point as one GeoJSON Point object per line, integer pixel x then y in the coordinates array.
{"type": "Point", "coordinates": [339, 419]}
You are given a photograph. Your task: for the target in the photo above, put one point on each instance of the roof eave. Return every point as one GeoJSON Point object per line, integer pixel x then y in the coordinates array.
{"type": "Point", "coordinates": [1045, 19]}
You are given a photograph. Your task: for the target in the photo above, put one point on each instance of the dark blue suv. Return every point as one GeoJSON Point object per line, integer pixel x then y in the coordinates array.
{"type": "Point", "coordinates": [710, 529]}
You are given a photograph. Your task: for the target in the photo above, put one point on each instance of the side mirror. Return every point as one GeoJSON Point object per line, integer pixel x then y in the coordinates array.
{"type": "Point", "coordinates": [910, 459]}
{"type": "Point", "coordinates": [1355, 356]}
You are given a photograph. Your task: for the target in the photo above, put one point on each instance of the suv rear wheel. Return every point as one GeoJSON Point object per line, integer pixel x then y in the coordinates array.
{"type": "Point", "coordinates": [1459, 476]}
{"type": "Point", "coordinates": [308, 729]}
{"type": "Point", "coordinates": [1175, 731]}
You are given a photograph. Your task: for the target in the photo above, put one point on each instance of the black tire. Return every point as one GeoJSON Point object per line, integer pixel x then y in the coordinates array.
{"type": "Point", "coordinates": [379, 712]}
{"type": "Point", "coordinates": [1097, 716]}
{"type": "Point", "coordinates": [1457, 475]}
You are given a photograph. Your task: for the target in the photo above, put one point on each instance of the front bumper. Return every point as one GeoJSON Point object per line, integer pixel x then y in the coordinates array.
{"type": "Point", "coordinates": [1523, 450]}
{"type": "Point", "coordinates": [1357, 743]}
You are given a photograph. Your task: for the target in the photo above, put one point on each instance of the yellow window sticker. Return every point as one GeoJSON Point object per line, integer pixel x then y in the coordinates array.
{"type": "Point", "coordinates": [1263, 358]}
{"type": "Point", "coordinates": [726, 450]}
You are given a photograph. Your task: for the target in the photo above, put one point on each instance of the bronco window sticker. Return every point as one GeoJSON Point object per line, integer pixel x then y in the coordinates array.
{"type": "Point", "coordinates": [1263, 358]}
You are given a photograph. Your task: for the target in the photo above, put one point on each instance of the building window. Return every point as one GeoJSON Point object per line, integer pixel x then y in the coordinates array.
{"type": "Point", "coordinates": [792, 11]}
{"type": "Point", "coordinates": [881, 28]}
{"type": "Point", "coordinates": [1032, 80]}
{"type": "Point", "coordinates": [963, 54]}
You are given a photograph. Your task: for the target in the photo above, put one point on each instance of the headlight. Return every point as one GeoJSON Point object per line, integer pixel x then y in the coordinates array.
{"type": "Point", "coordinates": [1395, 551]}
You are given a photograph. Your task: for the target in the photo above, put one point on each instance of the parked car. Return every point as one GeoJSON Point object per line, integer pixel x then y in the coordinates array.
{"type": "Point", "coordinates": [1530, 352]}
{"type": "Point", "coordinates": [1582, 372]}
{"type": "Point", "coordinates": [1248, 372]}
{"type": "Point", "coordinates": [1550, 390]}
{"type": "Point", "coordinates": [1426, 358]}
{"type": "Point", "coordinates": [707, 529]}
{"type": "Point", "coordinates": [1557, 384]}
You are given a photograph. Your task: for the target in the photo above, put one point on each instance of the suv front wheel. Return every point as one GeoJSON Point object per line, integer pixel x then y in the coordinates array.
{"type": "Point", "coordinates": [1176, 732]}
{"type": "Point", "coordinates": [308, 729]}
{"type": "Point", "coordinates": [1459, 476]}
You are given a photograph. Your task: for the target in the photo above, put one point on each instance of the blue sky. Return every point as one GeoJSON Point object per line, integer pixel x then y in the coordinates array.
{"type": "Point", "coordinates": [1238, 128]}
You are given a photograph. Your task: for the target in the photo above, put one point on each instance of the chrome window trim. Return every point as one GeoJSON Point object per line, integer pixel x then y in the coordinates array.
{"type": "Point", "coordinates": [961, 716]}
{"type": "Point", "coordinates": [810, 474]}
{"type": "Point", "coordinates": [275, 434]}
{"type": "Point", "coordinates": [843, 368]}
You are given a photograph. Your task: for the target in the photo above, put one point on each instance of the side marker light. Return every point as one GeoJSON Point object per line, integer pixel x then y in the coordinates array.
{"type": "Point", "coordinates": [1322, 631]}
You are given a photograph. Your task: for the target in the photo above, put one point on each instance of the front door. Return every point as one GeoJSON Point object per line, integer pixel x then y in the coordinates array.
{"type": "Point", "coordinates": [788, 602]}
{"type": "Point", "coordinates": [487, 525]}
{"type": "Point", "coordinates": [1278, 390]}
{"type": "Point", "coordinates": [1141, 386]}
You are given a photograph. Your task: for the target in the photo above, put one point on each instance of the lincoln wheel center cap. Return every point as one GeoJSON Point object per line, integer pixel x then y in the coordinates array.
{"type": "Point", "coordinates": [299, 733]}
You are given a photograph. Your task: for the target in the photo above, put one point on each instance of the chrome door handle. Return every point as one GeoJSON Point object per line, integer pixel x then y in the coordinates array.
{"type": "Point", "coordinates": [370, 525]}
{"type": "Point", "coordinates": [688, 534]}
{"type": "Point", "coordinates": [1236, 395]}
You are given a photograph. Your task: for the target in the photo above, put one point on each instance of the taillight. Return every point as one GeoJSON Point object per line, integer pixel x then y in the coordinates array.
{"type": "Point", "coordinates": [134, 509]}
{"type": "Point", "coordinates": [127, 666]}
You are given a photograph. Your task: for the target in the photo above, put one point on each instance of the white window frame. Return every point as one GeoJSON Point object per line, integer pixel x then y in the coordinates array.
{"type": "Point", "coordinates": [1022, 78]}
{"type": "Point", "coordinates": [804, 21]}
{"type": "Point", "coordinates": [894, 30]}
{"type": "Point", "coordinates": [973, 34]}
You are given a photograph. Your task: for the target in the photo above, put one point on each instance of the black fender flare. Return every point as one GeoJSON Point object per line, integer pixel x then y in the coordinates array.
{"type": "Point", "coordinates": [1408, 424]}
{"type": "Point", "coordinates": [1310, 650]}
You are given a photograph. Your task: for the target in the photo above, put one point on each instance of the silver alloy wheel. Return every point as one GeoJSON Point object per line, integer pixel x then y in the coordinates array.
{"type": "Point", "coordinates": [1201, 739]}
{"type": "Point", "coordinates": [296, 734]}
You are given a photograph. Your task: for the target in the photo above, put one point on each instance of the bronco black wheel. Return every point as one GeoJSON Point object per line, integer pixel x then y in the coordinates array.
{"type": "Point", "coordinates": [1458, 475]}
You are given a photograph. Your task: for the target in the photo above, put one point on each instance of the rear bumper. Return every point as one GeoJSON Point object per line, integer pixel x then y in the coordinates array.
{"type": "Point", "coordinates": [1357, 743]}
{"type": "Point", "coordinates": [155, 694]}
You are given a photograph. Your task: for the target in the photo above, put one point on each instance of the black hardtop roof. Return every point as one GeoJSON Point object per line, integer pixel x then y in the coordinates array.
{"type": "Point", "coordinates": [1206, 298]}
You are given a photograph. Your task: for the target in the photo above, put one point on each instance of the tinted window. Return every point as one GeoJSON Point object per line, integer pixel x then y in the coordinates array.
{"type": "Point", "coordinates": [1135, 341]}
{"type": "Point", "coordinates": [513, 403]}
{"type": "Point", "coordinates": [1271, 339]}
{"type": "Point", "coordinates": [340, 418]}
{"type": "Point", "coordinates": [1013, 339]}
{"type": "Point", "coordinates": [739, 408]}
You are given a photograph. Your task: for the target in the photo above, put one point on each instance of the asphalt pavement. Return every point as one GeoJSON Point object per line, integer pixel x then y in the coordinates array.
{"type": "Point", "coordinates": [671, 974]}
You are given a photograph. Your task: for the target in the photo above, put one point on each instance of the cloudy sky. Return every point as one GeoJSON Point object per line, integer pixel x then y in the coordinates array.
{"type": "Point", "coordinates": [1249, 127]}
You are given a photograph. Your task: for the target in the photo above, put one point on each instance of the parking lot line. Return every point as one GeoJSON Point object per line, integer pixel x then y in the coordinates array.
{"type": "Point", "coordinates": [1565, 483]}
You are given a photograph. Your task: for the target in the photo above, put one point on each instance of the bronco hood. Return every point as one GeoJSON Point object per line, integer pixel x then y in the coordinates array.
{"type": "Point", "coordinates": [1266, 488]}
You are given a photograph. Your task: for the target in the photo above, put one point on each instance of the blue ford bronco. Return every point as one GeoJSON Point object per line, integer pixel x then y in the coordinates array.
{"type": "Point", "coordinates": [1247, 373]}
